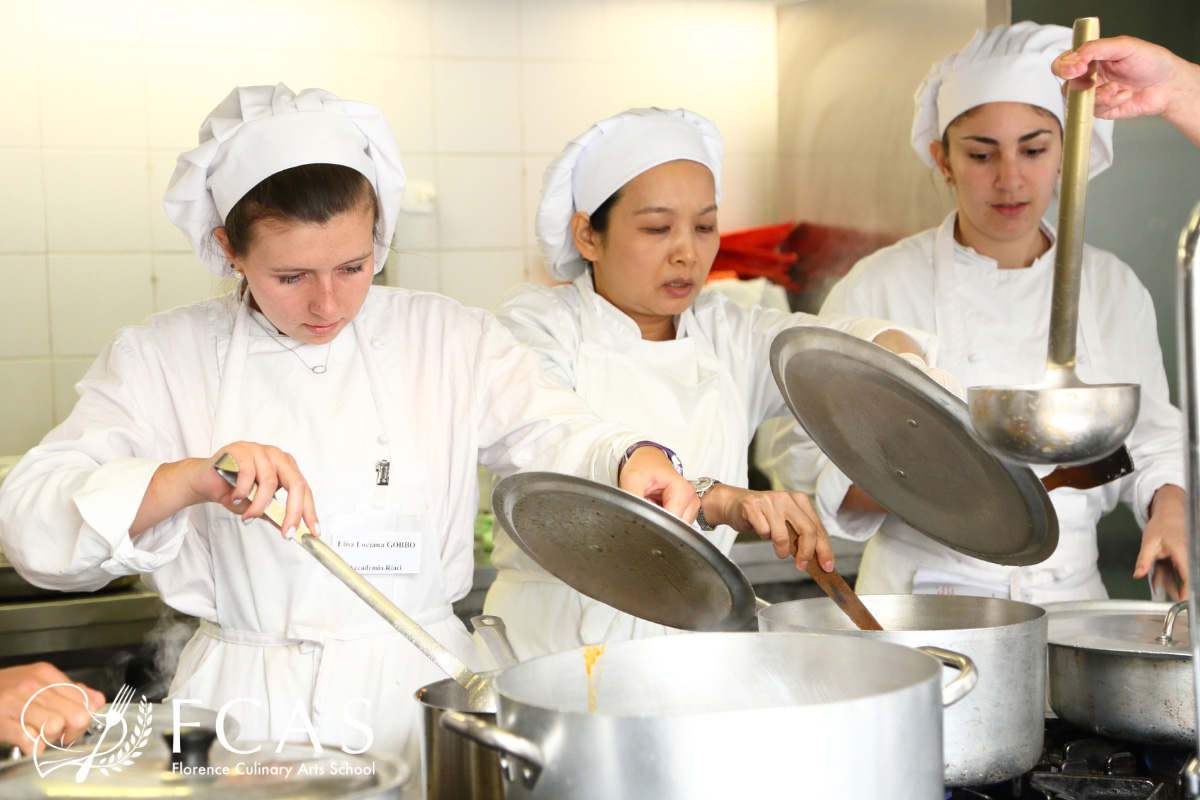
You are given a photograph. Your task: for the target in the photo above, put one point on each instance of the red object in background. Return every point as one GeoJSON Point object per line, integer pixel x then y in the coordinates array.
{"type": "Point", "coordinates": [754, 253]}
{"type": "Point", "coordinates": [803, 258]}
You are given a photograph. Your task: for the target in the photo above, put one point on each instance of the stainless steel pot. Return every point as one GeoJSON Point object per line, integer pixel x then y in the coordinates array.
{"type": "Point", "coordinates": [724, 715]}
{"type": "Point", "coordinates": [995, 733]}
{"type": "Point", "coordinates": [1125, 675]}
{"type": "Point", "coordinates": [456, 768]}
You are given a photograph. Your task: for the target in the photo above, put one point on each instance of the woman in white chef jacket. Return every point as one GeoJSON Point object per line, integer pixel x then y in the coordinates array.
{"type": "Point", "coordinates": [629, 215]}
{"type": "Point", "coordinates": [374, 406]}
{"type": "Point", "coordinates": [989, 119]}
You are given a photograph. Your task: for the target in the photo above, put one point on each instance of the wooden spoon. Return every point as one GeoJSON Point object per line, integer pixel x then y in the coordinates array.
{"type": "Point", "coordinates": [834, 585]}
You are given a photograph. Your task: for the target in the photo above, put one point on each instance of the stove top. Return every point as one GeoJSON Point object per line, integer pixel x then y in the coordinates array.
{"type": "Point", "coordinates": [1076, 765]}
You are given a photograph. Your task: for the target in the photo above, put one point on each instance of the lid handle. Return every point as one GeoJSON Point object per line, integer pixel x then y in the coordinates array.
{"type": "Point", "coordinates": [1169, 622]}
{"type": "Point", "coordinates": [193, 747]}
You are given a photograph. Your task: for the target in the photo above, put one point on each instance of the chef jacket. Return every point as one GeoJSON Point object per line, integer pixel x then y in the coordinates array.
{"type": "Point", "coordinates": [416, 380]}
{"type": "Point", "coordinates": [992, 326]}
{"type": "Point", "coordinates": [702, 393]}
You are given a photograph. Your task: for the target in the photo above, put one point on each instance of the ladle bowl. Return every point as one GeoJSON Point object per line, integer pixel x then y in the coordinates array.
{"type": "Point", "coordinates": [1061, 420]}
{"type": "Point", "coordinates": [1058, 421]}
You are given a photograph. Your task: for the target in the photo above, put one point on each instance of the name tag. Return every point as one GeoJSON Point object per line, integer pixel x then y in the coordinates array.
{"type": "Point", "coordinates": [378, 539]}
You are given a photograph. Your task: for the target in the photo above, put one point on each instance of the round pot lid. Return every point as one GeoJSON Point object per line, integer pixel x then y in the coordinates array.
{"type": "Point", "coordinates": [623, 551]}
{"type": "Point", "coordinates": [908, 443]}
{"type": "Point", "coordinates": [297, 771]}
{"type": "Point", "coordinates": [1129, 633]}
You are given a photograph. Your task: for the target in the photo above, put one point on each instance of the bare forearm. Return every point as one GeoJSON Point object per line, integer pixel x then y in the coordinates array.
{"type": "Point", "coordinates": [858, 500]}
{"type": "Point", "coordinates": [1168, 499]}
{"type": "Point", "coordinates": [715, 502]}
{"type": "Point", "coordinates": [1184, 110]}
{"type": "Point", "coordinates": [169, 493]}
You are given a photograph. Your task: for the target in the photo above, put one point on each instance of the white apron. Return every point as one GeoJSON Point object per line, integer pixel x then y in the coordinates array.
{"type": "Point", "coordinates": [287, 632]}
{"type": "Point", "coordinates": [899, 559]}
{"type": "Point", "coordinates": [677, 393]}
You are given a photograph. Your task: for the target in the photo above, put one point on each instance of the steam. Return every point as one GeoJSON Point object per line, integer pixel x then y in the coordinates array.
{"type": "Point", "coordinates": [164, 644]}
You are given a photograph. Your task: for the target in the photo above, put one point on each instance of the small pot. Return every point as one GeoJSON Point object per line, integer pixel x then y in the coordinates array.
{"type": "Point", "coordinates": [456, 768]}
{"type": "Point", "coordinates": [994, 734]}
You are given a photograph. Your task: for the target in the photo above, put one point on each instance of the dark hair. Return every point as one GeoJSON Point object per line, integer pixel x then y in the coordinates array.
{"type": "Point", "coordinates": [310, 193]}
{"type": "Point", "coordinates": [972, 110]}
{"type": "Point", "coordinates": [598, 219]}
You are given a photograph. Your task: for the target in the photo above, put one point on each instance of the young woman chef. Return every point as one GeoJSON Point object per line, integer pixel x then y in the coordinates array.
{"type": "Point", "coordinates": [371, 407]}
{"type": "Point", "coordinates": [629, 215]}
{"type": "Point", "coordinates": [989, 120]}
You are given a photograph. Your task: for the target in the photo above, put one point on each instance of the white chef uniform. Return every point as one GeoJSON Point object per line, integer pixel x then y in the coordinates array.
{"type": "Point", "coordinates": [416, 380]}
{"type": "Point", "coordinates": [703, 393]}
{"type": "Point", "coordinates": [992, 326]}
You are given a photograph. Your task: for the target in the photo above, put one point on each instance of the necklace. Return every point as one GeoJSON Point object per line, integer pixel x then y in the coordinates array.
{"type": "Point", "coordinates": [319, 369]}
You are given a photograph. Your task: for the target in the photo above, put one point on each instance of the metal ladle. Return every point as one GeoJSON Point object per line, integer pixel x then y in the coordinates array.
{"type": "Point", "coordinates": [1061, 420]}
{"type": "Point", "coordinates": [481, 692]}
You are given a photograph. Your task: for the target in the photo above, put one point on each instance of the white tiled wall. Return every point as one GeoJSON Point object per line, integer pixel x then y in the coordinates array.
{"type": "Point", "coordinates": [101, 96]}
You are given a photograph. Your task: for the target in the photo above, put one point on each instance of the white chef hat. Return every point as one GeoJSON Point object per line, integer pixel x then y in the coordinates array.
{"type": "Point", "coordinates": [1010, 63]}
{"type": "Point", "coordinates": [604, 158]}
{"type": "Point", "coordinates": [258, 131]}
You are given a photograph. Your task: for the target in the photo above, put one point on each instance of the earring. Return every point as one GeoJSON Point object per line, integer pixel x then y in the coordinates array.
{"type": "Point", "coordinates": [949, 181]}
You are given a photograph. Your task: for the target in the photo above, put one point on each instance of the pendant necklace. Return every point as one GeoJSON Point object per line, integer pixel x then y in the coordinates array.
{"type": "Point", "coordinates": [319, 369]}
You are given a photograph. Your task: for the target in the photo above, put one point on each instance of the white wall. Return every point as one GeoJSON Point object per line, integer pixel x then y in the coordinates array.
{"type": "Point", "coordinates": [847, 75]}
{"type": "Point", "coordinates": [100, 97]}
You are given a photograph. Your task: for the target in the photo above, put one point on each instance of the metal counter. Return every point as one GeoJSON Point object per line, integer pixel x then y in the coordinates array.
{"type": "Point", "coordinates": [59, 624]}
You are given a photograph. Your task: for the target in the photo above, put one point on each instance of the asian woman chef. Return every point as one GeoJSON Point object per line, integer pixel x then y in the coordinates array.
{"type": "Point", "coordinates": [629, 215]}
{"type": "Point", "coordinates": [373, 408]}
{"type": "Point", "coordinates": [989, 119]}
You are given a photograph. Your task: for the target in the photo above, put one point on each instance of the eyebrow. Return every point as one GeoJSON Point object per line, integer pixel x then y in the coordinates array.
{"type": "Point", "coordinates": [1025, 138]}
{"type": "Point", "coordinates": [666, 210]}
{"type": "Point", "coordinates": [301, 269]}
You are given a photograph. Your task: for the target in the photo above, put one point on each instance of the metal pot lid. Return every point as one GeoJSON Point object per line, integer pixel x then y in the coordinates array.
{"type": "Point", "coordinates": [1091, 608]}
{"type": "Point", "coordinates": [623, 551]}
{"type": "Point", "coordinates": [297, 771]}
{"type": "Point", "coordinates": [1130, 633]}
{"type": "Point", "coordinates": [908, 443]}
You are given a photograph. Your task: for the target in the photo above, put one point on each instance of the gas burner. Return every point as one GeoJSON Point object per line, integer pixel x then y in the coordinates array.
{"type": "Point", "coordinates": [1076, 766]}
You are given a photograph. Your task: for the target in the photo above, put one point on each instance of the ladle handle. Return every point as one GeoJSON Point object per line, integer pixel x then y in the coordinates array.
{"type": "Point", "coordinates": [403, 623]}
{"type": "Point", "coordinates": [1068, 255]}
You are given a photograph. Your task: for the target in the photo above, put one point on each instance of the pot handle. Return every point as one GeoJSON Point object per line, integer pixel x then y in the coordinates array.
{"type": "Point", "coordinates": [968, 674]}
{"type": "Point", "coordinates": [1169, 622]}
{"type": "Point", "coordinates": [518, 756]}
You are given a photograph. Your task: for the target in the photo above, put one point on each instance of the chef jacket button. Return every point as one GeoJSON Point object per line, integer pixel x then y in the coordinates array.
{"type": "Point", "coordinates": [383, 440]}
{"type": "Point", "coordinates": [377, 344]}
{"type": "Point", "coordinates": [1083, 359]}
{"type": "Point", "coordinates": [974, 358]}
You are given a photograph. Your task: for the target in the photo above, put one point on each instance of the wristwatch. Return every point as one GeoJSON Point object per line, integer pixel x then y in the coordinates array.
{"type": "Point", "coordinates": [702, 487]}
{"type": "Point", "coordinates": [668, 452]}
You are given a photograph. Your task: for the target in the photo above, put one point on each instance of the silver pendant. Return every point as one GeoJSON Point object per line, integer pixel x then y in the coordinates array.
{"type": "Point", "coordinates": [319, 369]}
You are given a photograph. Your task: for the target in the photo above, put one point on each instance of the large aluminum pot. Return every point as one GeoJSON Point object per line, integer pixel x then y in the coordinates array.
{"type": "Point", "coordinates": [1112, 674]}
{"type": "Point", "coordinates": [995, 733]}
{"type": "Point", "coordinates": [456, 768]}
{"type": "Point", "coordinates": [724, 715]}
